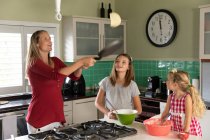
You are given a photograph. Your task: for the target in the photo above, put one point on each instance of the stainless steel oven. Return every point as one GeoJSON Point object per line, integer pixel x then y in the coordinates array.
{"type": "Point", "coordinates": [21, 122]}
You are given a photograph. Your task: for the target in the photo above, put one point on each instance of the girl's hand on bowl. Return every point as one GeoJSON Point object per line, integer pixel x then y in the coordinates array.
{"type": "Point", "coordinates": [183, 135]}
{"type": "Point", "coordinates": [112, 115]}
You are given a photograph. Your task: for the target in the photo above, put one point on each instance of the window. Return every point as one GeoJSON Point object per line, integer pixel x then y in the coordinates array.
{"type": "Point", "coordinates": [14, 42]}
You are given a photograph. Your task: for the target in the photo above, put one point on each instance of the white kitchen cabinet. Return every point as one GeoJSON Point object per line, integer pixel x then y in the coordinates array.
{"type": "Point", "coordinates": [204, 51]}
{"type": "Point", "coordinates": [205, 121]}
{"type": "Point", "coordinates": [204, 32]}
{"type": "Point", "coordinates": [84, 110]}
{"type": "Point", "coordinates": [86, 36]}
{"type": "Point", "coordinates": [68, 107]}
{"type": "Point", "coordinates": [162, 107]}
{"type": "Point", "coordinates": [205, 80]}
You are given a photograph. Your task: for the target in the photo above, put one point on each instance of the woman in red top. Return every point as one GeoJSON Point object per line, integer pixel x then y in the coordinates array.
{"type": "Point", "coordinates": [184, 104]}
{"type": "Point", "coordinates": [46, 75]}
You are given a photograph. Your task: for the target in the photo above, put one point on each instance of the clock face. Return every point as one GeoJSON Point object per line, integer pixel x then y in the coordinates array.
{"type": "Point", "coordinates": [161, 28]}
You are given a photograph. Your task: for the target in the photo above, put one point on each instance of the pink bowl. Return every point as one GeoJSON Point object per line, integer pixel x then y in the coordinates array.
{"type": "Point", "coordinates": [155, 128]}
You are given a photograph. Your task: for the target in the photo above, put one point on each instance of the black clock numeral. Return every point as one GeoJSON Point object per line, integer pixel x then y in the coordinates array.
{"type": "Point", "coordinates": [161, 40]}
{"type": "Point", "coordinates": [156, 18]}
{"type": "Point", "coordinates": [156, 38]}
{"type": "Point", "coordinates": [170, 27]}
{"type": "Point", "coordinates": [169, 21]}
{"type": "Point", "coordinates": [165, 39]}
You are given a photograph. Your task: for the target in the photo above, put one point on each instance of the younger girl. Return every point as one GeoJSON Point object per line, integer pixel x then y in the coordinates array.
{"type": "Point", "coordinates": [184, 104]}
{"type": "Point", "coordinates": [119, 88]}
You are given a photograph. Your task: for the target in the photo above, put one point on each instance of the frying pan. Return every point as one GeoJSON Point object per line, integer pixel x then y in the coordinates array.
{"type": "Point", "coordinates": [110, 49]}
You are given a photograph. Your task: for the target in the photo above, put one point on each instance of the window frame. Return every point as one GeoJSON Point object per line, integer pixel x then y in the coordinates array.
{"type": "Point", "coordinates": [27, 28]}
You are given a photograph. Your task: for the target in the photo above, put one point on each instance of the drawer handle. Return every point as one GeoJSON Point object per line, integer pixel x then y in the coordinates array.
{"type": "Point", "coordinates": [84, 102]}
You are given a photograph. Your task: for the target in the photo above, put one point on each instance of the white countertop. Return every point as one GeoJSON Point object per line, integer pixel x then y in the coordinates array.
{"type": "Point", "coordinates": [141, 134]}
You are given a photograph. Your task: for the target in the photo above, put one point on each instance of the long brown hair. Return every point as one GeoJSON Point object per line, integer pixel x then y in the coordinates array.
{"type": "Point", "coordinates": [182, 78]}
{"type": "Point", "coordinates": [129, 74]}
{"type": "Point", "coordinates": [33, 51]}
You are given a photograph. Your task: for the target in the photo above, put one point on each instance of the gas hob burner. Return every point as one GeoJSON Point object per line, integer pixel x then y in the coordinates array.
{"type": "Point", "coordinates": [85, 137]}
{"type": "Point", "coordinates": [91, 130]}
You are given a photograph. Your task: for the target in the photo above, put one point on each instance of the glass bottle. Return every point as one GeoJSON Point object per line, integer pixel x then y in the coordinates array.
{"type": "Point", "coordinates": [109, 10]}
{"type": "Point", "coordinates": [102, 11]}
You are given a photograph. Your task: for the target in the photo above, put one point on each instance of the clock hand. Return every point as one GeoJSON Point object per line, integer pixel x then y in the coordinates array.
{"type": "Point", "coordinates": [160, 26]}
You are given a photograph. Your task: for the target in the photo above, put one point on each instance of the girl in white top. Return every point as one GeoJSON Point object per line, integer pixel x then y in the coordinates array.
{"type": "Point", "coordinates": [119, 88]}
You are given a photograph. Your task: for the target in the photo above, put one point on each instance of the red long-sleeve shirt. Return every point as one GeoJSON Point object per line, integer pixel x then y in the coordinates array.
{"type": "Point", "coordinates": [47, 103]}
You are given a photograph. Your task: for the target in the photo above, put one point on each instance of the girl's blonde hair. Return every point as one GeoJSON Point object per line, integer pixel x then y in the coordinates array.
{"type": "Point", "coordinates": [182, 78]}
{"type": "Point", "coordinates": [33, 51]}
{"type": "Point", "coordinates": [129, 74]}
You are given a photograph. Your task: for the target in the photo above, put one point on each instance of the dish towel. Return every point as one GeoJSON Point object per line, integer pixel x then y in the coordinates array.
{"type": "Point", "coordinates": [9, 126]}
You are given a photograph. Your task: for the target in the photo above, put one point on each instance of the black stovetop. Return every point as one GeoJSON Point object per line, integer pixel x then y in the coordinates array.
{"type": "Point", "coordinates": [91, 130]}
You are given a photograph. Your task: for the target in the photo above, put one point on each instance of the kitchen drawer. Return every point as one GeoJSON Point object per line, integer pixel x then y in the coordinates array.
{"type": "Point", "coordinates": [68, 106]}
{"type": "Point", "coordinates": [84, 110]}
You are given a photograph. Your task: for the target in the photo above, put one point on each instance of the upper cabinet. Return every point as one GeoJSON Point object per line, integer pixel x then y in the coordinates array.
{"type": "Point", "coordinates": [205, 32]}
{"type": "Point", "coordinates": [86, 36]}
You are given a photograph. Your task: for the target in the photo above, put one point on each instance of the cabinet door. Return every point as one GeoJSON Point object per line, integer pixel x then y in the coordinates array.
{"type": "Point", "coordinates": [111, 34]}
{"type": "Point", "coordinates": [205, 33]}
{"type": "Point", "coordinates": [84, 110]}
{"type": "Point", "coordinates": [87, 37]}
{"type": "Point", "coordinates": [205, 121]}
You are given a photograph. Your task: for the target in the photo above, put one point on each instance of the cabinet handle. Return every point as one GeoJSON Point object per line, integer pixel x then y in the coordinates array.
{"type": "Point", "coordinates": [84, 102]}
{"type": "Point", "coordinates": [100, 43]}
{"type": "Point", "coordinates": [103, 41]}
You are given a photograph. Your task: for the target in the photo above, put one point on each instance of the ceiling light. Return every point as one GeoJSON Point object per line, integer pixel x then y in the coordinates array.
{"type": "Point", "coordinates": [58, 15]}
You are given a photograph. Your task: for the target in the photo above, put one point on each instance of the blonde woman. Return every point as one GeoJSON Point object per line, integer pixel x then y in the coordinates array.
{"type": "Point", "coordinates": [119, 88]}
{"type": "Point", "coordinates": [46, 75]}
{"type": "Point", "coordinates": [184, 104]}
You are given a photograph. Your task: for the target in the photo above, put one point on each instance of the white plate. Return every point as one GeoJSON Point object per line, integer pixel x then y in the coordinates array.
{"type": "Point", "coordinates": [3, 102]}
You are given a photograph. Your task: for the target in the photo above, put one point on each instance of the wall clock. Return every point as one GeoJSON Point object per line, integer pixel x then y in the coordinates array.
{"type": "Point", "coordinates": [161, 28]}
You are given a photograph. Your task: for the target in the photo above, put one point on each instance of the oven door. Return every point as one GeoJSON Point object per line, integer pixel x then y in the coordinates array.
{"type": "Point", "coordinates": [21, 122]}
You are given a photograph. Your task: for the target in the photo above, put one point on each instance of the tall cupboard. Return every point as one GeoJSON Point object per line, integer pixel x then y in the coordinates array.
{"type": "Point", "coordinates": [204, 52]}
